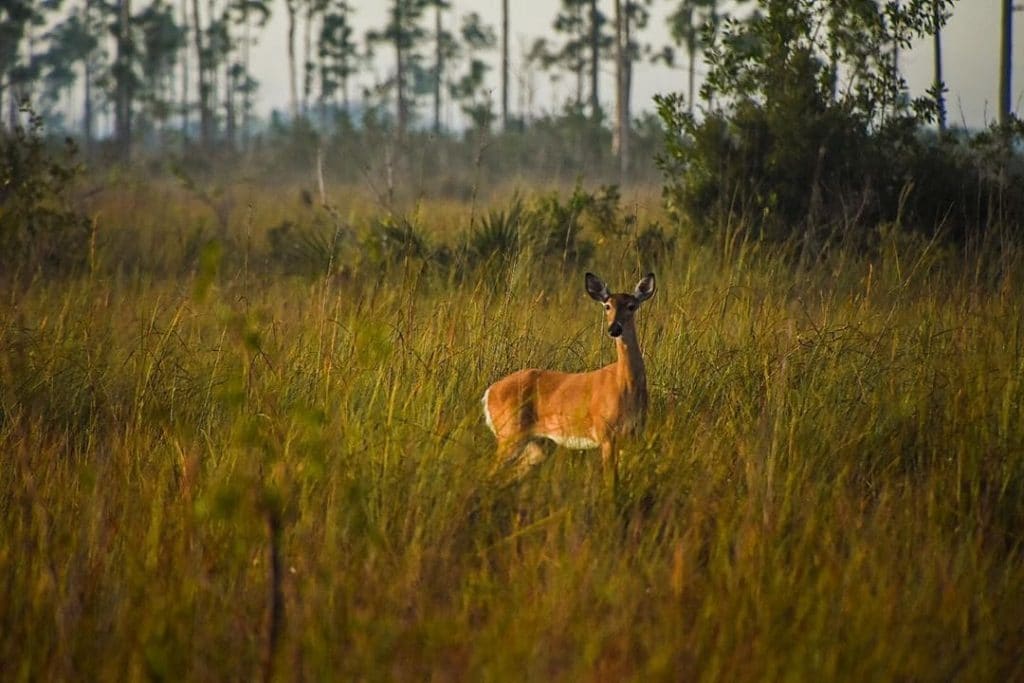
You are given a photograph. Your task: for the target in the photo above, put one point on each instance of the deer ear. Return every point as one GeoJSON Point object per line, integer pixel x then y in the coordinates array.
{"type": "Point", "coordinates": [645, 288]}
{"type": "Point", "coordinates": [597, 290]}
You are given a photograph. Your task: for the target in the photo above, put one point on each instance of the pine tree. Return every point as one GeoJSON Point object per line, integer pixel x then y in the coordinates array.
{"type": "Point", "coordinates": [689, 25]}
{"type": "Point", "coordinates": [477, 39]}
{"type": "Point", "coordinates": [1006, 63]}
{"type": "Point", "coordinates": [404, 33]}
{"type": "Point", "coordinates": [338, 53]}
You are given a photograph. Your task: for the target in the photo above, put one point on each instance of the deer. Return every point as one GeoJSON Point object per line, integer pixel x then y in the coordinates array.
{"type": "Point", "coordinates": [581, 410]}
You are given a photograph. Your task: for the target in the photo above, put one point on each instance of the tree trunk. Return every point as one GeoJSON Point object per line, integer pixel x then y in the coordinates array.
{"type": "Point", "coordinates": [87, 115]}
{"type": "Point", "coordinates": [230, 123]}
{"type": "Point", "coordinates": [578, 64]}
{"type": "Point", "coordinates": [595, 55]}
{"type": "Point", "coordinates": [246, 95]}
{"type": "Point", "coordinates": [293, 86]}
{"type": "Point", "coordinates": [344, 92]}
{"type": "Point", "coordinates": [205, 109]}
{"type": "Point", "coordinates": [1006, 63]}
{"type": "Point", "coordinates": [504, 65]}
{"type": "Point", "coordinates": [691, 48]}
{"type": "Point", "coordinates": [87, 111]}
{"type": "Point", "coordinates": [307, 57]}
{"type": "Point", "coordinates": [402, 112]}
{"type": "Point", "coordinates": [123, 103]}
{"type": "Point", "coordinates": [940, 100]}
{"type": "Point", "coordinates": [184, 74]}
{"type": "Point", "coordinates": [620, 87]}
{"type": "Point", "coordinates": [12, 107]}
{"type": "Point", "coordinates": [438, 68]}
{"type": "Point", "coordinates": [627, 95]}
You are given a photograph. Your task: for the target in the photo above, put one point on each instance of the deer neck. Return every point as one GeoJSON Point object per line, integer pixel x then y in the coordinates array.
{"type": "Point", "coordinates": [629, 366]}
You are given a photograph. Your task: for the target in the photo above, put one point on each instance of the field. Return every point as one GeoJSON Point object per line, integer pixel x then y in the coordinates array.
{"type": "Point", "coordinates": [217, 465]}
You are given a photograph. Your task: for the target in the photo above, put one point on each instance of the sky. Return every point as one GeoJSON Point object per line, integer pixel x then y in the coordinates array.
{"type": "Point", "coordinates": [970, 58]}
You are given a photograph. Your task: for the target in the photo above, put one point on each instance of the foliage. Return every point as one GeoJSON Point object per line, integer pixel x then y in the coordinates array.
{"type": "Point", "coordinates": [500, 235]}
{"type": "Point", "coordinates": [41, 232]}
{"type": "Point", "coordinates": [468, 89]}
{"type": "Point", "coordinates": [314, 247]}
{"type": "Point", "coordinates": [791, 153]}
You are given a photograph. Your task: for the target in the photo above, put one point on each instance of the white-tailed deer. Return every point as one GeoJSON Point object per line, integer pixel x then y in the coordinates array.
{"type": "Point", "coordinates": [580, 410]}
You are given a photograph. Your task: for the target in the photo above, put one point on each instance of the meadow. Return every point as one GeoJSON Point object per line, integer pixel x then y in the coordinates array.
{"type": "Point", "coordinates": [219, 462]}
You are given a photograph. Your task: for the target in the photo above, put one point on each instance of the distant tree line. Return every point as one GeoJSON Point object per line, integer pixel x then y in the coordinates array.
{"type": "Point", "coordinates": [152, 70]}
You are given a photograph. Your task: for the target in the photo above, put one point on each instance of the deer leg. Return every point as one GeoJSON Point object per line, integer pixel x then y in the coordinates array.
{"type": "Point", "coordinates": [509, 451]}
{"type": "Point", "coordinates": [531, 454]}
{"type": "Point", "coordinates": [610, 459]}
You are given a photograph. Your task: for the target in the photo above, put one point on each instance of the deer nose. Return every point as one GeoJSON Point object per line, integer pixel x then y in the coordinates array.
{"type": "Point", "coordinates": [615, 329]}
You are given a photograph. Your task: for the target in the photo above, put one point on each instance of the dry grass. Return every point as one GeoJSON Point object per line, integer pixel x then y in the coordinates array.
{"type": "Point", "coordinates": [831, 486]}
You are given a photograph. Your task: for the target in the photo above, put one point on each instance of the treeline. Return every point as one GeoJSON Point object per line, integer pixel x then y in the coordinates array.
{"type": "Point", "coordinates": [160, 71]}
{"type": "Point", "coordinates": [805, 134]}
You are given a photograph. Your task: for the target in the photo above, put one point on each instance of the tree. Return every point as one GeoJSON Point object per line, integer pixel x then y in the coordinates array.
{"type": "Point", "coordinates": [315, 10]}
{"type": "Point", "coordinates": [504, 64]}
{"type": "Point", "coordinates": [572, 55]}
{"type": "Point", "coordinates": [691, 25]}
{"type": "Point", "coordinates": [17, 18]}
{"type": "Point", "coordinates": [477, 38]}
{"type": "Point", "coordinates": [162, 41]}
{"type": "Point", "coordinates": [596, 20]}
{"type": "Point", "coordinates": [338, 53]}
{"type": "Point", "coordinates": [404, 33]}
{"type": "Point", "coordinates": [247, 14]}
{"type": "Point", "coordinates": [939, 86]}
{"type": "Point", "coordinates": [445, 49]}
{"type": "Point", "coordinates": [779, 143]}
{"type": "Point", "coordinates": [630, 16]}
{"type": "Point", "coordinates": [73, 42]}
{"type": "Point", "coordinates": [620, 139]}
{"type": "Point", "coordinates": [292, 6]}
{"type": "Point", "coordinates": [204, 77]}
{"type": "Point", "coordinates": [124, 78]}
{"type": "Point", "coordinates": [1006, 63]}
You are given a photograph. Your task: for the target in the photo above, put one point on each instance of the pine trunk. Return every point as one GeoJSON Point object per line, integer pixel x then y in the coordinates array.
{"type": "Point", "coordinates": [940, 100]}
{"type": "Point", "coordinates": [438, 68]}
{"type": "Point", "coordinates": [692, 75]}
{"type": "Point", "coordinates": [183, 105]}
{"type": "Point", "coordinates": [230, 122]}
{"type": "Point", "coordinates": [504, 64]}
{"type": "Point", "coordinates": [402, 112]}
{"type": "Point", "coordinates": [205, 110]}
{"type": "Point", "coordinates": [627, 95]}
{"type": "Point", "coordinates": [1006, 63]}
{"type": "Point", "coordinates": [595, 54]}
{"type": "Point", "coordinates": [307, 58]}
{"type": "Point", "coordinates": [620, 83]}
{"type": "Point", "coordinates": [293, 88]}
{"type": "Point", "coordinates": [123, 102]}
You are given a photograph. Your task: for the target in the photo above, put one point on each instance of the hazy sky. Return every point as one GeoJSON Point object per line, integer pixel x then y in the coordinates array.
{"type": "Point", "coordinates": [970, 57]}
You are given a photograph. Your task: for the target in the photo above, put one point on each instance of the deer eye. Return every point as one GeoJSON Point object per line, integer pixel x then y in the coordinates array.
{"type": "Point", "coordinates": [631, 307]}
{"type": "Point", "coordinates": [607, 307]}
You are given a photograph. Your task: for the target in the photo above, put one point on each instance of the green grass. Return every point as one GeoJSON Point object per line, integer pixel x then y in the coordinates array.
{"type": "Point", "coordinates": [830, 486]}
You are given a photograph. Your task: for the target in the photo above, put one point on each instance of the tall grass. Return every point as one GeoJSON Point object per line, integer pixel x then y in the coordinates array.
{"type": "Point", "coordinates": [223, 473]}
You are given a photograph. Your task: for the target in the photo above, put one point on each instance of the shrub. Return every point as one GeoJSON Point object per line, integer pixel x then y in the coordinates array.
{"type": "Point", "coordinates": [40, 230]}
{"type": "Point", "coordinates": [789, 155]}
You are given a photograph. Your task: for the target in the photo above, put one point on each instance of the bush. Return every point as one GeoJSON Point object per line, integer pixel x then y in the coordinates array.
{"type": "Point", "coordinates": [40, 231]}
{"type": "Point", "coordinates": [789, 158]}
